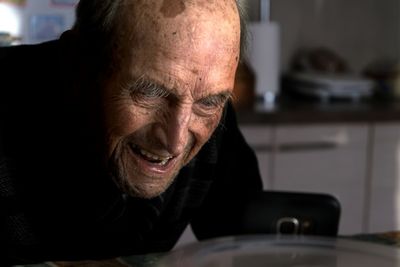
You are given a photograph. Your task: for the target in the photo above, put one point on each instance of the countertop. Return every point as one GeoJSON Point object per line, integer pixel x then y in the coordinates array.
{"type": "Point", "coordinates": [289, 109]}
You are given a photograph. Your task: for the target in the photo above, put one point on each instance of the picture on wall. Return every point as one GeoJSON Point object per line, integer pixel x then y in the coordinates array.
{"type": "Point", "coordinates": [46, 27]}
{"type": "Point", "coordinates": [15, 2]}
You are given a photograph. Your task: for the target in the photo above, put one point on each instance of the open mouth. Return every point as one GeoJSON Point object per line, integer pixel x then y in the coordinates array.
{"type": "Point", "coordinates": [150, 157]}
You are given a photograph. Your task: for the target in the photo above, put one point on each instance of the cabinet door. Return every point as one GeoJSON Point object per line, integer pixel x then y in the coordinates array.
{"type": "Point", "coordinates": [259, 138]}
{"type": "Point", "coordinates": [327, 159]}
{"type": "Point", "coordinates": [385, 179]}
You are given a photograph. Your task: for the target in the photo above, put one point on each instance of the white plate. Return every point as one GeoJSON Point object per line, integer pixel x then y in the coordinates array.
{"type": "Point", "coordinates": [282, 251]}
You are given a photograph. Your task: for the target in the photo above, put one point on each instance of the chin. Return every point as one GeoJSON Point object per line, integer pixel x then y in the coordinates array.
{"type": "Point", "coordinates": [138, 178]}
{"type": "Point", "coordinates": [142, 186]}
{"type": "Point", "coordinates": [145, 193]}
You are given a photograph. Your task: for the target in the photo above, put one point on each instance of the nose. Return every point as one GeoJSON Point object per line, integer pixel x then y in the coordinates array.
{"type": "Point", "coordinates": [176, 128]}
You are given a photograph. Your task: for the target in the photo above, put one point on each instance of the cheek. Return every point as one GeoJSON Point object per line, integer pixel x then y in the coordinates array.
{"type": "Point", "coordinates": [205, 127]}
{"type": "Point", "coordinates": [202, 131]}
{"type": "Point", "coordinates": [122, 119]}
{"type": "Point", "coordinates": [119, 120]}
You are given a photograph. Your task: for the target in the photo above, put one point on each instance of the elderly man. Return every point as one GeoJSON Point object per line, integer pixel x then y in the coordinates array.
{"type": "Point", "coordinates": [119, 134]}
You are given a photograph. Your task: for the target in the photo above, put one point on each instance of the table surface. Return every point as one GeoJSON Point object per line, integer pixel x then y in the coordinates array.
{"type": "Point", "coordinates": [290, 110]}
{"type": "Point", "coordinates": [389, 239]}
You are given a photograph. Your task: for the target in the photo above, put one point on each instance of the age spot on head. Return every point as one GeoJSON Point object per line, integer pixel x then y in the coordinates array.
{"type": "Point", "coordinates": [172, 8]}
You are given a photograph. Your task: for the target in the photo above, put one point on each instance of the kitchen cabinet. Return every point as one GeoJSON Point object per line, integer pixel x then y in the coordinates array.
{"type": "Point", "coordinates": [384, 202]}
{"type": "Point", "coordinates": [358, 162]}
{"type": "Point", "coordinates": [328, 158]}
{"type": "Point", "coordinates": [362, 170]}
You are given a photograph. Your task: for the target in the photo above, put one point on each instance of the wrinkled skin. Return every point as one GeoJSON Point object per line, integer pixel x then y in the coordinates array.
{"type": "Point", "coordinates": [189, 50]}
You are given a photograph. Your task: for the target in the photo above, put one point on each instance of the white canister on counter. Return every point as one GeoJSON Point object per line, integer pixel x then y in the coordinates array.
{"type": "Point", "coordinates": [264, 58]}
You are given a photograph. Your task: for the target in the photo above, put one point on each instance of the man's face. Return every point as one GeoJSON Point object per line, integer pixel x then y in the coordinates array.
{"type": "Point", "coordinates": [164, 100]}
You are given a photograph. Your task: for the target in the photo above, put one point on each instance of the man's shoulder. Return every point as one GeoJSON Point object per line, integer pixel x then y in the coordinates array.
{"type": "Point", "coordinates": [26, 68]}
{"type": "Point", "coordinates": [22, 56]}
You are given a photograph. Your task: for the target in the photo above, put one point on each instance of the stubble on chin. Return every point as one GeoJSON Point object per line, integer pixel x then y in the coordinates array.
{"type": "Point", "coordinates": [123, 174]}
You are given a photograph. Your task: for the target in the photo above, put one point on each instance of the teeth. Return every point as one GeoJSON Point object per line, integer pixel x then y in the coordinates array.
{"type": "Point", "coordinates": [162, 160]}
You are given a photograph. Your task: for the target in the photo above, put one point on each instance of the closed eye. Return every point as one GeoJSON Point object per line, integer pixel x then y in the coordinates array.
{"type": "Point", "coordinates": [214, 100]}
{"type": "Point", "coordinates": [212, 103]}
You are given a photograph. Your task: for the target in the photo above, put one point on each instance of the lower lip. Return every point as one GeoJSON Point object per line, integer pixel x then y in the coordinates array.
{"type": "Point", "coordinates": [153, 168]}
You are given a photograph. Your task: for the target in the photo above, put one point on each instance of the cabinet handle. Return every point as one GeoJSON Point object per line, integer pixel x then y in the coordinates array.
{"type": "Point", "coordinates": [310, 146]}
{"type": "Point", "coordinates": [290, 147]}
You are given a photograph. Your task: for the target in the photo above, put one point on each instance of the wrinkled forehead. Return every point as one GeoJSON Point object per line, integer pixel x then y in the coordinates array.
{"type": "Point", "coordinates": [200, 22]}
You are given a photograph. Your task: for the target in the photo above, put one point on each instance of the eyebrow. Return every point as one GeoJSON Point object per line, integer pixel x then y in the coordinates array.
{"type": "Point", "coordinates": [151, 87]}
{"type": "Point", "coordinates": [159, 90]}
{"type": "Point", "coordinates": [218, 99]}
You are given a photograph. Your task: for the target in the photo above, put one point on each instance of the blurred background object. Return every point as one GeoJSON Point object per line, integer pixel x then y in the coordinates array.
{"type": "Point", "coordinates": [263, 53]}
{"type": "Point", "coordinates": [327, 86]}
{"type": "Point", "coordinates": [320, 59]}
{"type": "Point", "coordinates": [33, 21]}
{"type": "Point", "coordinates": [323, 74]}
{"type": "Point", "coordinates": [6, 39]}
{"type": "Point", "coordinates": [386, 73]}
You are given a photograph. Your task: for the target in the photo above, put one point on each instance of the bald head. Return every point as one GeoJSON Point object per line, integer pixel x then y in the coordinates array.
{"type": "Point", "coordinates": [98, 21]}
{"type": "Point", "coordinates": [156, 15]}
{"type": "Point", "coordinates": [197, 25]}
